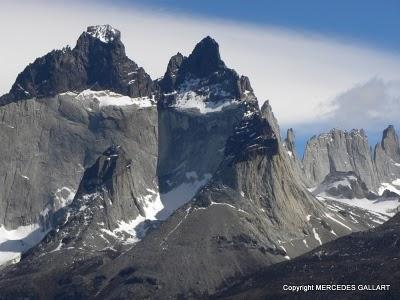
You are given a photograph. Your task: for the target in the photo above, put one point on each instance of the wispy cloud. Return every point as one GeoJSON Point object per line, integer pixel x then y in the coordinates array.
{"type": "Point", "coordinates": [371, 105]}
{"type": "Point", "coordinates": [299, 72]}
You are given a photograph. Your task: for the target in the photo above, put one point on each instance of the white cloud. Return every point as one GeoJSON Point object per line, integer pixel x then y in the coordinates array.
{"type": "Point", "coordinates": [371, 105]}
{"type": "Point", "coordinates": [300, 73]}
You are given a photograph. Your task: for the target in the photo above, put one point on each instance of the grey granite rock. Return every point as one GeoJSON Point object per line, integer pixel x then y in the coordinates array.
{"type": "Point", "coordinates": [340, 151]}
{"type": "Point", "coordinates": [50, 141]}
{"type": "Point", "coordinates": [266, 111]}
{"type": "Point", "coordinates": [387, 156]}
{"type": "Point", "coordinates": [254, 212]}
{"type": "Point", "coordinates": [345, 185]}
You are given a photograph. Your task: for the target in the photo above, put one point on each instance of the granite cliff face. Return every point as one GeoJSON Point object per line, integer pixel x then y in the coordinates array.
{"type": "Point", "coordinates": [290, 145]}
{"type": "Point", "coordinates": [340, 151]}
{"type": "Point", "coordinates": [252, 213]}
{"type": "Point", "coordinates": [95, 228]}
{"type": "Point", "coordinates": [200, 102]}
{"type": "Point", "coordinates": [53, 136]}
{"type": "Point", "coordinates": [51, 141]}
{"type": "Point", "coordinates": [387, 156]}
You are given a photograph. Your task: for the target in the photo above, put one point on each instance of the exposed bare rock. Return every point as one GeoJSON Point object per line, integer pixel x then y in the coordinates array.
{"type": "Point", "coordinates": [387, 156]}
{"type": "Point", "coordinates": [98, 61]}
{"type": "Point", "coordinates": [340, 151]}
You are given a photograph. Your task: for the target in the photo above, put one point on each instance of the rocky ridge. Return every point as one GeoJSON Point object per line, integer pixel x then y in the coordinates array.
{"type": "Point", "coordinates": [98, 62]}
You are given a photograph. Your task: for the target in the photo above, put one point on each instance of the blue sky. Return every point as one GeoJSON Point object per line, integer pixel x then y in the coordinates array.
{"type": "Point", "coordinates": [372, 22]}
{"type": "Point", "coordinates": [322, 64]}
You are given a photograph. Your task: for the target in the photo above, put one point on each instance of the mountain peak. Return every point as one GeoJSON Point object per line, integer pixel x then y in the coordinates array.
{"type": "Point", "coordinates": [208, 42]}
{"type": "Point", "coordinates": [390, 143]}
{"type": "Point", "coordinates": [174, 63]}
{"type": "Point", "coordinates": [98, 61]}
{"type": "Point", "coordinates": [290, 141]}
{"type": "Point", "coordinates": [389, 132]}
{"type": "Point", "coordinates": [104, 33]}
{"type": "Point", "coordinates": [205, 58]}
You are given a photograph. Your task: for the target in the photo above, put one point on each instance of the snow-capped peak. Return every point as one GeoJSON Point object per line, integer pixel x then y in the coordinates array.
{"type": "Point", "coordinates": [104, 33]}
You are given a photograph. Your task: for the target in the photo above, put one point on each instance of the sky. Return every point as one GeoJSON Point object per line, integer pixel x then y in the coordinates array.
{"type": "Point", "coordinates": [321, 64]}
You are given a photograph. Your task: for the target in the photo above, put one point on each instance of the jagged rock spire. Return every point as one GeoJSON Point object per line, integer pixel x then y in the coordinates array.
{"type": "Point", "coordinates": [342, 151]}
{"type": "Point", "coordinates": [390, 143]}
{"type": "Point", "coordinates": [205, 58]}
{"type": "Point", "coordinates": [290, 141]}
{"type": "Point", "coordinates": [387, 156]}
{"type": "Point", "coordinates": [168, 81]}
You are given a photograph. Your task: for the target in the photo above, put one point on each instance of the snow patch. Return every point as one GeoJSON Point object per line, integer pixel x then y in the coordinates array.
{"type": "Point", "coordinates": [286, 256]}
{"type": "Point", "coordinates": [316, 236]}
{"type": "Point", "coordinates": [130, 229]}
{"type": "Point", "coordinates": [181, 194]}
{"type": "Point", "coordinates": [64, 197]}
{"type": "Point", "coordinates": [192, 100]}
{"type": "Point", "coordinates": [108, 98]}
{"type": "Point", "coordinates": [196, 94]}
{"type": "Point", "coordinates": [396, 182]}
{"type": "Point", "coordinates": [229, 205]}
{"type": "Point", "coordinates": [337, 221]}
{"type": "Point", "coordinates": [382, 206]}
{"type": "Point", "coordinates": [16, 241]}
{"type": "Point", "coordinates": [104, 33]}
{"type": "Point", "coordinates": [394, 186]}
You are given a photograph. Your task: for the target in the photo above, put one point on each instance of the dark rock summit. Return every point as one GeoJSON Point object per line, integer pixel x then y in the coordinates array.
{"type": "Point", "coordinates": [204, 60]}
{"type": "Point", "coordinates": [167, 83]}
{"type": "Point", "coordinates": [98, 61]}
{"type": "Point", "coordinates": [204, 75]}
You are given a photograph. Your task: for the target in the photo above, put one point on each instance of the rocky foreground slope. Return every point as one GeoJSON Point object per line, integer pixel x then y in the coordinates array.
{"type": "Point", "coordinates": [366, 261]}
{"type": "Point", "coordinates": [176, 186]}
